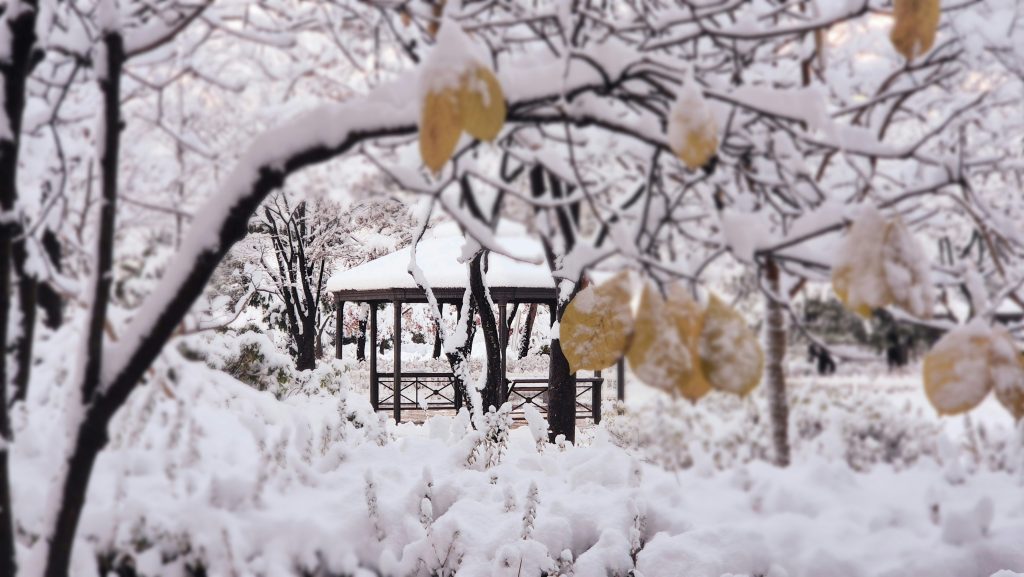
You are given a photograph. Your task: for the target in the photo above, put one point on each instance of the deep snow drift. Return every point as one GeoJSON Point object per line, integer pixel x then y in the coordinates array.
{"type": "Point", "coordinates": [206, 472]}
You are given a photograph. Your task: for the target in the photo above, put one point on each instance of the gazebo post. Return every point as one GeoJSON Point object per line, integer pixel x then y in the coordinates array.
{"type": "Point", "coordinates": [396, 341]}
{"type": "Point", "coordinates": [503, 341]}
{"type": "Point", "coordinates": [374, 382]}
{"type": "Point", "coordinates": [620, 375]}
{"type": "Point", "coordinates": [339, 326]}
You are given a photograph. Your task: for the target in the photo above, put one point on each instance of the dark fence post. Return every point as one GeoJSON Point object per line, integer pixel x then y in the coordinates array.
{"type": "Point", "coordinates": [595, 398]}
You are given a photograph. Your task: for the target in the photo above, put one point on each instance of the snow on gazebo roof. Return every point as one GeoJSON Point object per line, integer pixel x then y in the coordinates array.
{"type": "Point", "coordinates": [438, 255]}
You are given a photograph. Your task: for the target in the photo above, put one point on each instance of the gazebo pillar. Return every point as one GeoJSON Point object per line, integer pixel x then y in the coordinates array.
{"type": "Point", "coordinates": [396, 341]}
{"type": "Point", "coordinates": [503, 342]}
{"type": "Point", "coordinates": [374, 382]}
{"type": "Point", "coordinates": [339, 326]}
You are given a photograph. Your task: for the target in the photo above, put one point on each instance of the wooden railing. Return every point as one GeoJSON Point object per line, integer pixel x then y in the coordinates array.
{"type": "Point", "coordinates": [522, 392]}
{"type": "Point", "coordinates": [418, 390]}
{"type": "Point", "coordinates": [425, 390]}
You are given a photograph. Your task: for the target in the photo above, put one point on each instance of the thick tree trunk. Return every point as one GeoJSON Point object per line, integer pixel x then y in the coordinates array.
{"type": "Point", "coordinates": [561, 383]}
{"type": "Point", "coordinates": [775, 335]}
{"type": "Point", "coordinates": [490, 396]}
{"type": "Point", "coordinates": [561, 396]}
{"type": "Point", "coordinates": [305, 344]}
{"type": "Point", "coordinates": [460, 356]}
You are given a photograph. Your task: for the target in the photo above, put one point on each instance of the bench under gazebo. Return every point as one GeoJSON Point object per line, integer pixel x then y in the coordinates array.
{"type": "Point", "coordinates": [385, 280]}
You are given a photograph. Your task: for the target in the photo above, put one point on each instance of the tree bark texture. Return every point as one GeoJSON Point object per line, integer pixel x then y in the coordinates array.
{"type": "Point", "coordinates": [775, 335]}
{"type": "Point", "coordinates": [490, 396]}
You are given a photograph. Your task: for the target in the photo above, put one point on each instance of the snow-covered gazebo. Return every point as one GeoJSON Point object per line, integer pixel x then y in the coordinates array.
{"type": "Point", "coordinates": [438, 254]}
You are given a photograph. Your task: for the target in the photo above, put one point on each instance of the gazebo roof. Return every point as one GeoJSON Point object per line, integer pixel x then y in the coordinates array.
{"type": "Point", "coordinates": [438, 256]}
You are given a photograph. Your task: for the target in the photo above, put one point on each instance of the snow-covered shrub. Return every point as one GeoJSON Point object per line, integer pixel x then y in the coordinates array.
{"type": "Point", "coordinates": [253, 358]}
{"type": "Point", "coordinates": [723, 430]}
{"type": "Point", "coordinates": [249, 356]}
{"type": "Point", "coordinates": [491, 441]}
{"type": "Point", "coordinates": [862, 426]}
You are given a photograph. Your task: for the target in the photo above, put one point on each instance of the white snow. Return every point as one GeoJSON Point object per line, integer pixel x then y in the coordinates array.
{"type": "Point", "coordinates": [439, 257]}
{"type": "Point", "coordinates": [216, 473]}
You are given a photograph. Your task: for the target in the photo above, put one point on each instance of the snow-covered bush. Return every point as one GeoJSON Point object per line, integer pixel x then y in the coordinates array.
{"type": "Point", "coordinates": [861, 426]}
{"type": "Point", "coordinates": [253, 358]}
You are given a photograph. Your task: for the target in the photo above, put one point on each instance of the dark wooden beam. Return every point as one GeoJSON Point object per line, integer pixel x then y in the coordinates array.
{"type": "Point", "coordinates": [374, 383]}
{"type": "Point", "coordinates": [339, 326]}
{"type": "Point", "coordinates": [503, 343]}
{"type": "Point", "coordinates": [449, 295]}
{"type": "Point", "coordinates": [396, 342]}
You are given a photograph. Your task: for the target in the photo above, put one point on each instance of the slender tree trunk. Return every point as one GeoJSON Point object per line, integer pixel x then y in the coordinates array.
{"type": "Point", "coordinates": [437, 339]}
{"type": "Point", "coordinates": [27, 292]}
{"type": "Point", "coordinates": [14, 70]}
{"type": "Point", "coordinates": [49, 299]}
{"type": "Point", "coordinates": [491, 395]}
{"type": "Point", "coordinates": [361, 341]}
{"type": "Point", "coordinates": [775, 335]}
{"type": "Point", "coordinates": [92, 434]}
{"type": "Point", "coordinates": [524, 338]}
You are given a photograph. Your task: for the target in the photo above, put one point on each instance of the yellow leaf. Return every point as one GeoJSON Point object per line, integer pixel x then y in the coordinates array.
{"type": "Point", "coordinates": [841, 286]}
{"type": "Point", "coordinates": [597, 325]}
{"type": "Point", "coordinates": [1012, 398]}
{"type": "Point", "coordinates": [700, 146]}
{"type": "Point", "coordinates": [657, 355]}
{"type": "Point", "coordinates": [1008, 376]}
{"type": "Point", "coordinates": [482, 104]}
{"type": "Point", "coordinates": [960, 369]}
{"type": "Point", "coordinates": [905, 268]}
{"type": "Point", "coordinates": [730, 352]}
{"type": "Point", "coordinates": [689, 320]}
{"type": "Point", "coordinates": [692, 130]}
{"type": "Point", "coordinates": [881, 263]}
{"type": "Point", "coordinates": [915, 23]}
{"type": "Point", "coordinates": [440, 127]}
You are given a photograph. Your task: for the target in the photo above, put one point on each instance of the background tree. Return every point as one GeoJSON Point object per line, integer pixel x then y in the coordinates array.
{"type": "Point", "coordinates": [303, 239]}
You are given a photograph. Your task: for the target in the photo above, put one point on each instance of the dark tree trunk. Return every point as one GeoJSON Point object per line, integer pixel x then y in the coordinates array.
{"type": "Point", "coordinates": [524, 338]}
{"type": "Point", "coordinates": [26, 336]}
{"type": "Point", "coordinates": [14, 70]}
{"type": "Point", "coordinates": [170, 308]}
{"type": "Point", "coordinates": [305, 343]}
{"type": "Point", "coordinates": [361, 341]}
{"type": "Point", "coordinates": [460, 356]}
{"type": "Point", "coordinates": [775, 374]}
{"type": "Point", "coordinates": [49, 299]}
{"type": "Point", "coordinates": [490, 396]}
{"type": "Point", "coordinates": [27, 292]}
{"type": "Point", "coordinates": [92, 436]}
{"type": "Point", "coordinates": [437, 339]}
{"type": "Point", "coordinates": [561, 391]}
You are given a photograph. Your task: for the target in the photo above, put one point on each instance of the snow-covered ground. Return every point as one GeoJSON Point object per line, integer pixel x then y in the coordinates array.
{"type": "Point", "coordinates": [206, 472]}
